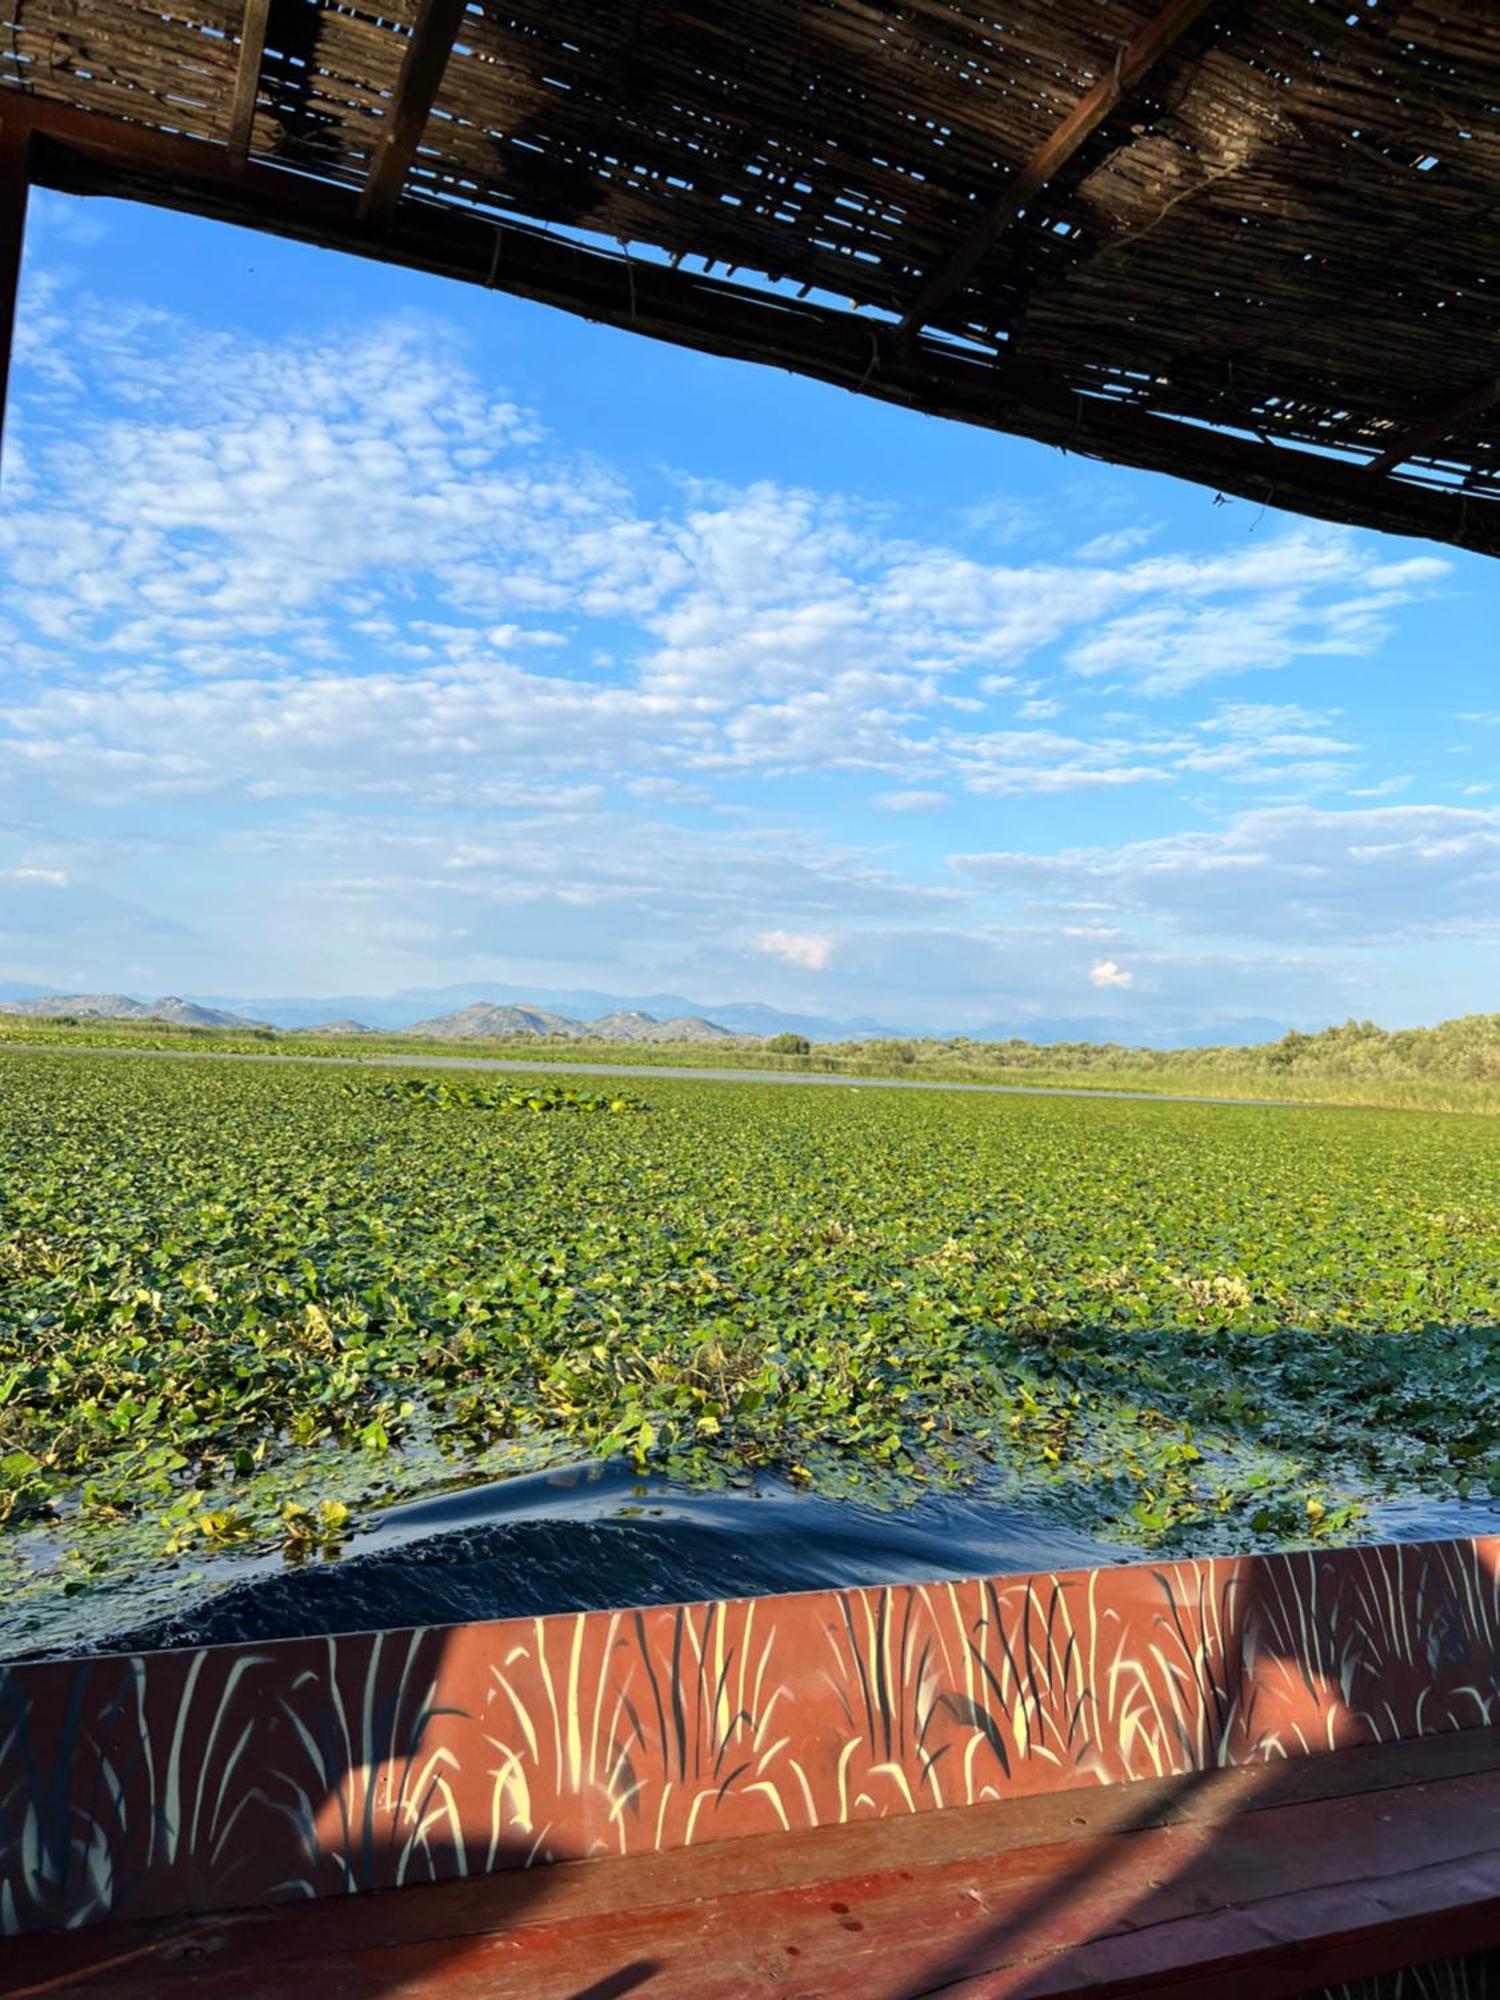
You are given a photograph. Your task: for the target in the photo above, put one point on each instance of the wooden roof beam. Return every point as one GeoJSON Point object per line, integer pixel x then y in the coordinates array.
{"type": "Point", "coordinates": [79, 152]}
{"type": "Point", "coordinates": [1133, 63]}
{"type": "Point", "coordinates": [1420, 438]}
{"type": "Point", "coordinates": [247, 76]}
{"type": "Point", "coordinates": [432, 37]}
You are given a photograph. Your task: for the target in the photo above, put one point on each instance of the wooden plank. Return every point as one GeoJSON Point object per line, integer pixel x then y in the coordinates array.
{"type": "Point", "coordinates": [432, 37]}
{"type": "Point", "coordinates": [15, 186]}
{"type": "Point", "coordinates": [87, 154]}
{"type": "Point", "coordinates": [1245, 1912]}
{"type": "Point", "coordinates": [247, 77]}
{"type": "Point", "coordinates": [1237, 1885]}
{"type": "Point", "coordinates": [1420, 438]}
{"type": "Point", "coordinates": [1133, 64]}
{"type": "Point", "coordinates": [576, 1890]}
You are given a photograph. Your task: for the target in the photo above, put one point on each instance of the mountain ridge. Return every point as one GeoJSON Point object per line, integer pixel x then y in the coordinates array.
{"type": "Point", "coordinates": [391, 1012]}
{"type": "Point", "coordinates": [394, 1011]}
{"type": "Point", "coordinates": [483, 1021]}
{"type": "Point", "coordinates": [170, 1008]}
{"type": "Point", "coordinates": [480, 1021]}
{"type": "Point", "coordinates": [349, 1015]}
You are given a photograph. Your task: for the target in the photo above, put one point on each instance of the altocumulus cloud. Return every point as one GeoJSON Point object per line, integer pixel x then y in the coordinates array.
{"type": "Point", "coordinates": [234, 564]}
{"type": "Point", "coordinates": [487, 689]}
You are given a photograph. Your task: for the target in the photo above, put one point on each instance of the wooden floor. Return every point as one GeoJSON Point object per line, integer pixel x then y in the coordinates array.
{"type": "Point", "coordinates": [1239, 1885]}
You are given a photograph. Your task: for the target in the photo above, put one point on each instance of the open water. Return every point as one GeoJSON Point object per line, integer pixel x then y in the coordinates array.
{"type": "Point", "coordinates": [596, 1536]}
{"type": "Point", "coordinates": [593, 1537]}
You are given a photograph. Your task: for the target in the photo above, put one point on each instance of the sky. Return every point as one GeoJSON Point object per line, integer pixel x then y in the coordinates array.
{"type": "Point", "coordinates": [362, 631]}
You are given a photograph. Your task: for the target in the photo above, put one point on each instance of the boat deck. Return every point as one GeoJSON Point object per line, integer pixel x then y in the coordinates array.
{"type": "Point", "coordinates": [1240, 1884]}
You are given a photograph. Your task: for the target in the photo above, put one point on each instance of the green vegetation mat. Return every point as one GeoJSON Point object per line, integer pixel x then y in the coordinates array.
{"type": "Point", "coordinates": [240, 1303]}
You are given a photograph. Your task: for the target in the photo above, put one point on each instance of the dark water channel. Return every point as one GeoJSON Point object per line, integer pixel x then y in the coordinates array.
{"type": "Point", "coordinates": [599, 1537]}
{"type": "Point", "coordinates": [596, 1537]}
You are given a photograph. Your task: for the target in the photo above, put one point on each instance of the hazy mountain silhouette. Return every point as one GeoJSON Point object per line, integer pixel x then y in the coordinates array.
{"type": "Point", "coordinates": [405, 1009]}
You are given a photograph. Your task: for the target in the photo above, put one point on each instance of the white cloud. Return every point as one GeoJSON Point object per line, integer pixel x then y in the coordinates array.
{"type": "Point", "coordinates": [40, 878]}
{"type": "Point", "coordinates": [346, 578]}
{"type": "Point", "coordinates": [1119, 542]}
{"type": "Point", "coordinates": [1000, 520]}
{"type": "Point", "coordinates": [329, 566]}
{"type": "Point", "coordinates": [668, 792]}
{"type": "Point", "coordinates": [1105, 972]}
{"type": "Point", "coordinates": [808, 951]}
{"type": "Point", "coordinates": [1176, 642]}
{"type": "Point", "coordinates": [1410, 570]}
{"type": "Point", "coordinates": [1007, 977]}
{"type": "Point", "coordinates": [1015, 761]}
{"type": "Point", "coordinates": [1164, 623]}
{"type": "Point", "coordinates": [906, 802]}
{"type": "Point", "coordinates": [1265, 743]}
{"type": "Point", "coordinates": [1367, 877]}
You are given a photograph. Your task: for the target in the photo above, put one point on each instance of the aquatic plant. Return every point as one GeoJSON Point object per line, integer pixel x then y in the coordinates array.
{"type": "Point", "coordinates": [224, 1285]}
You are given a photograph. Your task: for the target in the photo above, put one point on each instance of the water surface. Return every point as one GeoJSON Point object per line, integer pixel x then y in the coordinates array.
{"type": "Point", "coordinates": [598, 1536]}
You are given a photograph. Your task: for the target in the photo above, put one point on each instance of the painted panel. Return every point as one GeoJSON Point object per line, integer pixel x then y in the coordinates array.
{"type": "Point", "coordinates": [1473, 1978]}
{"type": "Point", "coordinates": [140, 1786]}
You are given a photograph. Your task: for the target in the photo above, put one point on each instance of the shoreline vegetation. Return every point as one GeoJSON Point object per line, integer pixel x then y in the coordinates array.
{"type": "Point", "coordinates": [1452, 1067]}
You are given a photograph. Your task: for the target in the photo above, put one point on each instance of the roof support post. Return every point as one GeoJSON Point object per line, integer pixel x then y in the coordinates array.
{"type": "Point", "coordinates": [433, 34]}
{"type": "Point", "coordinates": [1135, 59]}
{"type": "Point", "coordinates": [15, 186]}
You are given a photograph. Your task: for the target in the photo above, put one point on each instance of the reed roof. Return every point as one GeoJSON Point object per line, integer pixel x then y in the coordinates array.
{"type": "Point", "coordinates": [1251, 242]}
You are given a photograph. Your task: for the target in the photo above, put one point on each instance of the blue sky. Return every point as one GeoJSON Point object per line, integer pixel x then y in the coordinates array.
{"type": "Point", "coordinates": [361, 631]}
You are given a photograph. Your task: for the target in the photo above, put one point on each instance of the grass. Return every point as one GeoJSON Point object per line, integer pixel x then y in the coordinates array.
{"type": "Point", "coordinates": [241, 1304]}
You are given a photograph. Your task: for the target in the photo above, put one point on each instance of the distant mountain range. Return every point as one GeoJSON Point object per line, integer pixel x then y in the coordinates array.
{"type": "Point", "coordinates": [479, 1022]}
{"type": "Point", "coordinates": [741, 1017]}
{"type": "Point", "coordinates": [475, 1012]}
{"type": "Point", "coordinates": [393, 1011]}
{"type": "Point", "coordinates": [120, 1007]}
{"type": "Point", "coordinates": [483, 1022]}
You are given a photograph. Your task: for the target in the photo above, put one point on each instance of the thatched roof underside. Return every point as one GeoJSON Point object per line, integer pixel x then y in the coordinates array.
{"type": "Point", "coordinates": [1250, 242]}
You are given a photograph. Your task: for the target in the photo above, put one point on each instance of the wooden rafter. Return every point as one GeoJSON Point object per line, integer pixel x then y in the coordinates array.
{"type": "Point", "coordinates": [846, 151]}
{"type": "Point", "coordinates": [15, 183]}
{"type": "Point", "coordinates": [432, 37]}
{"type": "Point", "coordinates": [1134, 62]}
{"type": "Point", "coordinates": [79, 152]}
{"type": "Point", "coordinates": [1420, 438]}
{"type": "Point", "coordinates": [247, 76]}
